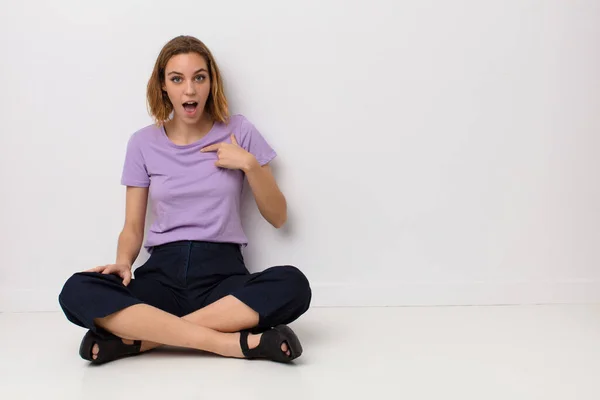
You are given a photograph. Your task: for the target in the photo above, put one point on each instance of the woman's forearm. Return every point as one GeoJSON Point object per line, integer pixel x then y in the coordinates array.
{"type": "Point", "coordinates": [128, 249]}
{"type": "Point", "coordinates": [269, 199]}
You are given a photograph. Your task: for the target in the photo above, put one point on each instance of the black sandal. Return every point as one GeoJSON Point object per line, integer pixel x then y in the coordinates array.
{"type": "Point", "coordinates": [110, 348]}
{"type": "Point", "coordinates": [270, 345]}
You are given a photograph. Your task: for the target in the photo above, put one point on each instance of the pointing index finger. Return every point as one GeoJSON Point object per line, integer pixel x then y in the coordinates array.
{"type": "Point", "coordinates": [212, 147]}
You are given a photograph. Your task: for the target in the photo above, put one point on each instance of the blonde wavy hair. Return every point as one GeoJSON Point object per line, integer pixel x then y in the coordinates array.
{"type": "Point", "coordinates": [159, 105]}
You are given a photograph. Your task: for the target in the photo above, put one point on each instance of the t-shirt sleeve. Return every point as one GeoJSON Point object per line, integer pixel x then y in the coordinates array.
{"type": "Point", "coordinates": [134, 168]}
{"type": "Point", "coordinates": [254, 142]}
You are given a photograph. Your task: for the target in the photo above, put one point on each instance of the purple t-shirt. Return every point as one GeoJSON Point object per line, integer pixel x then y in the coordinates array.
{"type": "Point", "coordinates": [190, 197]}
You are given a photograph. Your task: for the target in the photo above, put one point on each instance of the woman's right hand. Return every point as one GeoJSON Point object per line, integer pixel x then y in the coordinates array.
{"type": "Point", "coordinates": [122, 270]}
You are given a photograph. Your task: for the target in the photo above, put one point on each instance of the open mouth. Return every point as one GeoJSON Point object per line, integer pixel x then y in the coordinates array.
{"type": "Point", "coordinates": [190, 106]}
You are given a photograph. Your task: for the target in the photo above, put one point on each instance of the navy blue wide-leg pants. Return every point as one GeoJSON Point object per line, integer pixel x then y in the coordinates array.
{"type": "Point", "coordinates": [182, 277]}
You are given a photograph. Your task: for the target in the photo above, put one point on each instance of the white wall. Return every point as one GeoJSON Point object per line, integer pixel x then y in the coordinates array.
{"type": "Point", "coordinates": [432, 152]}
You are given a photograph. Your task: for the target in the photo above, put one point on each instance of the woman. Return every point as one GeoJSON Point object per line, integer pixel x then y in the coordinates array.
{"type": "Point", "coordinates": [194, 291]}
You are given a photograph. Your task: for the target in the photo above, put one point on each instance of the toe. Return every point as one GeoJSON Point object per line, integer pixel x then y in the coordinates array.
{"type": "Point", "coordinates": [284, 348]}
{"type": "Point", "coordinates": [95, 351]}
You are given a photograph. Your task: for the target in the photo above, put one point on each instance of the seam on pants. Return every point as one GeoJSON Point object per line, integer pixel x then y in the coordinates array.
{"type": "Point", "coordinates": [187, 264]}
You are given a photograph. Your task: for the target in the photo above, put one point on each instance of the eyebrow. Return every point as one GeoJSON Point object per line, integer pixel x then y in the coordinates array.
{"type": "Point", "coordinates": [179, 73]}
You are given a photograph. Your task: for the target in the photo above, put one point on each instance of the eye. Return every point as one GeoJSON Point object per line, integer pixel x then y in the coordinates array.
{"type": "Point", "coordinates": [200, 78]}
{"type": "Point", "coordinates": [176, 79]}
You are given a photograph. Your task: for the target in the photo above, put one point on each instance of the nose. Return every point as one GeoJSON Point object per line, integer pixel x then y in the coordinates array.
{"type": "Point", "coordinates": [190, 89]}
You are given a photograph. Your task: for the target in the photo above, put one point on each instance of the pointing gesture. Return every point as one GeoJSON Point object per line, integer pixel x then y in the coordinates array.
{"type": "Point", "coordinates": [231, 155]}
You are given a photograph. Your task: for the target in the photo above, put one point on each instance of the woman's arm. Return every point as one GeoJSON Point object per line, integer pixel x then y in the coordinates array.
{"type": "Point", "coordinates": [132, 235]}
{"type": "Point", "coordinates": [269, 199]}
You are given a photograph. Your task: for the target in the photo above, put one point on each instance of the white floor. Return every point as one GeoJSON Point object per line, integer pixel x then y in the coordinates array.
{"type": "Point", "coordinates": [483, 353]}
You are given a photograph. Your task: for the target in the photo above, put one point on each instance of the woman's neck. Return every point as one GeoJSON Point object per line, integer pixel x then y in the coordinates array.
{"type": "Point", "coordinates": [182, 133]}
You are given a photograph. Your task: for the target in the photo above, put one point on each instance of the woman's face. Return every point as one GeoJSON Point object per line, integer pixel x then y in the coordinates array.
{"type": "Point", "coordinates": [187, 83]}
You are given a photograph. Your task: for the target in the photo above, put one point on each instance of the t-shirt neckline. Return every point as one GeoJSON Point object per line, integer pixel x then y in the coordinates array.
{"type": "Point", "coordinates": [186, 146]}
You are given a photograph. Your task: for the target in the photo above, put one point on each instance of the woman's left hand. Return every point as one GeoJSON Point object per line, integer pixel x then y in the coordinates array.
{"type": "Point", "coordinates": [232, 156]}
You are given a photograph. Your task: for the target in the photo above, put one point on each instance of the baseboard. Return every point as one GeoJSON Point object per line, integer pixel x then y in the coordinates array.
{"type": "Point", "coordinates": [28, 300]}
{"type": "Point", "coordinates": [385, 294]}
{"type": "Point", "coordinates": [397, 294]}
